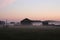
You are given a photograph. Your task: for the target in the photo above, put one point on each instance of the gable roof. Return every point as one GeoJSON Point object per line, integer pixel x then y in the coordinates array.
{"type": "Point", "coordinates": [26, 19]}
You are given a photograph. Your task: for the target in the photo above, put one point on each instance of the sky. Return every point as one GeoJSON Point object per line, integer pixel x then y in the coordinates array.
{"type": "Point", "coordinates": [16, 10]}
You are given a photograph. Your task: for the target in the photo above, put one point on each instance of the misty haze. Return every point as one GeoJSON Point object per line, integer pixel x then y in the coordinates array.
{"type": "Point", "coordinates": [29, 19]}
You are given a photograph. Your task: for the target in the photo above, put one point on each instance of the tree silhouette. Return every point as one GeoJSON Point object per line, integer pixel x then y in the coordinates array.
{"type": "Point", "coordinates": [2, 22]}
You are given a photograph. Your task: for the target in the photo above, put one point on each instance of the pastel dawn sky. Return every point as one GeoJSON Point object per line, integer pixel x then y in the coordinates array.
{"type": "Point", "coordinates": [33, 9]}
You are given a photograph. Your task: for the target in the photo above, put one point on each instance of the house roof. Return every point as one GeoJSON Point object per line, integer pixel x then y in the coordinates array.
{"type": "Point", "coordinates": [26, 19]}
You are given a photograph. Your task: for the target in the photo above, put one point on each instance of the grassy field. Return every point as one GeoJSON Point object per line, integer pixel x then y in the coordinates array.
{"type": "Point", "coordinates": [30, 33]}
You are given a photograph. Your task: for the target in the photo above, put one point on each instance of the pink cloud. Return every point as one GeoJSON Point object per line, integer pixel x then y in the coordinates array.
{"type": "Point", "coordinates": [5, 3]}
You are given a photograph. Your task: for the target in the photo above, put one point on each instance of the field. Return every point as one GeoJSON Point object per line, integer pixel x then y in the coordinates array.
{"type": "Point", "coordinates": [30, 33]}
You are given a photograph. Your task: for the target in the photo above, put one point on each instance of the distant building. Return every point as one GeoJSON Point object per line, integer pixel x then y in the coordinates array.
{"type": "Point", "coordinates": [12, 23]}
{"type": "Point", "coordinates": [45, 22]}
{"type": "Point", "coordinates": [36, 22]}
{"type": "Point", "coordinates": [26, 21]}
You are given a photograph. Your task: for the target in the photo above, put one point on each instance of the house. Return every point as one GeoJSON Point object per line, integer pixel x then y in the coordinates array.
{"type": "Point", "coordinates": [36, 22]}
{"type": "Point", "coordinates": [45, 23]}
{"type": "Point", "coordinates": [26, 21]}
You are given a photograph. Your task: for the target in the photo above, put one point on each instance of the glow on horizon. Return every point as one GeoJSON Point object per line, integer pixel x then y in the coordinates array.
{"type": "Point", "coordinates": [32, 9]}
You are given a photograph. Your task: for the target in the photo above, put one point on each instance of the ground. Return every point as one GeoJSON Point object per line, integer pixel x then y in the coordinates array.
{"type": "Point", "coordinates": [30, 33]}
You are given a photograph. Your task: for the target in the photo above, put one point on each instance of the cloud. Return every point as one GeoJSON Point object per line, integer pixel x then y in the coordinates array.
{"type": "Point", "coordinates": [4, 3]}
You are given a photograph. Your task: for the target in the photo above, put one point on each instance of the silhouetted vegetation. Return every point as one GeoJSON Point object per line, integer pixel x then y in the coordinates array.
{"type": "Point", "coordinates": [2, 22]}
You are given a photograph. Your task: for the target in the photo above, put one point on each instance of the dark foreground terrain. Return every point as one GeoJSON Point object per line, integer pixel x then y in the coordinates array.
{"type": "Point", "coordinates": [29, 34]}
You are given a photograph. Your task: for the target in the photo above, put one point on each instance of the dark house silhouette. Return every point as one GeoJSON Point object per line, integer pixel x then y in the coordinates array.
{"type": "Point", "coordinates": [26, 21]}
{"type": "Point", "coordinates": [45, 22]}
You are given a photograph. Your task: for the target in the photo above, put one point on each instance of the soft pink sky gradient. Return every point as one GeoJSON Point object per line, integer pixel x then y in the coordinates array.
{"type": "Point", "coordinates": [4, 3]}
{"type": "Point", "coordinates": [16, 10]}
